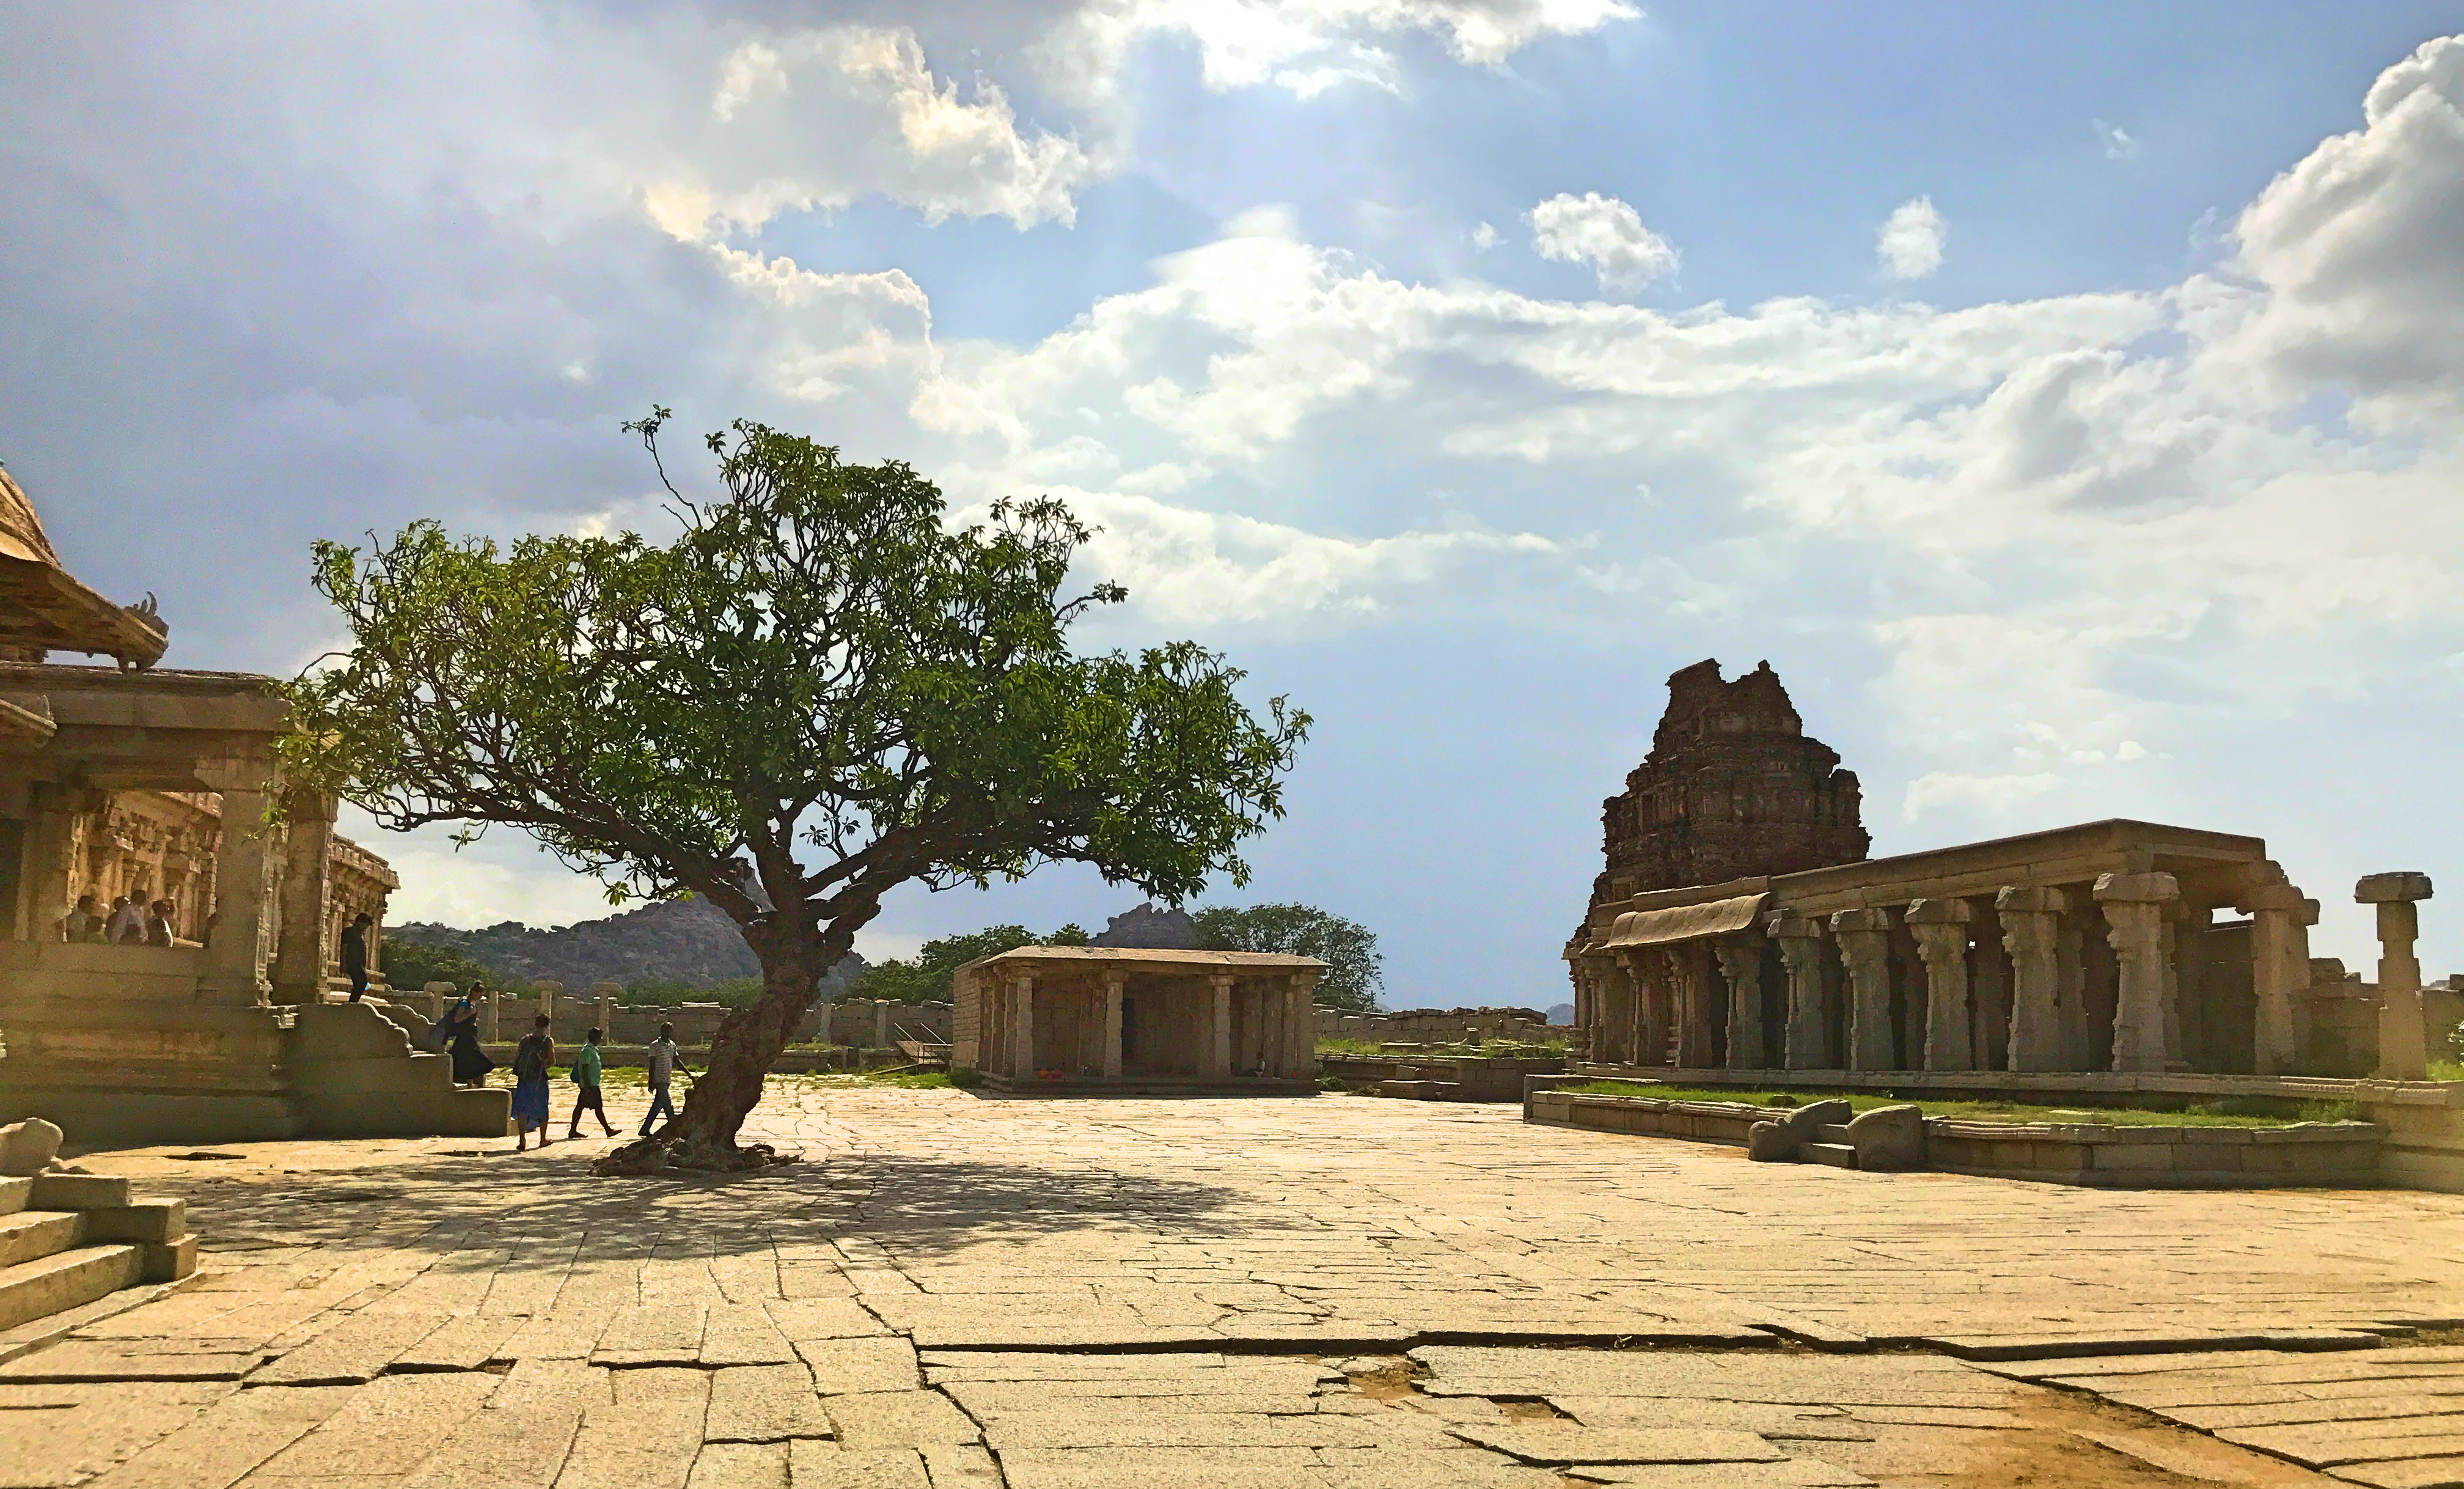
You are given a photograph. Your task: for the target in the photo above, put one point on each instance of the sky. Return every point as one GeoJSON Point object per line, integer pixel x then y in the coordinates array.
{"type": "Point", "coordinates": [2064, 400]}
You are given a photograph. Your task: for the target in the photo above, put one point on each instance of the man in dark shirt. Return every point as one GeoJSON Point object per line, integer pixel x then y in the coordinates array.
{"type": "Point", "coordinates": [355, 955]}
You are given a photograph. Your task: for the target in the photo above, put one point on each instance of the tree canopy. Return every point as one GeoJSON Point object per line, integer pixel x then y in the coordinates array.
{"type": "Point", "coordinates": [1353, 968]}
{"type": "Point", "coordinates": [818, 691]}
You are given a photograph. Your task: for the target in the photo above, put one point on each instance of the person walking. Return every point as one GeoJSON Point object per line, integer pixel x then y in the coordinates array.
{"type": "Point", "coordinates": [586, 1096]}
{"type": "Point", "coordinates": [663, 1057]}
{"type": "Point", "coordinates": [85, 922]}
{"type": "Point", "coordinates": [471, 1063]}
{"type": "Point", "coordinates": [355, 955]}
{"type": "Point", "coordinates": [531, 1060]}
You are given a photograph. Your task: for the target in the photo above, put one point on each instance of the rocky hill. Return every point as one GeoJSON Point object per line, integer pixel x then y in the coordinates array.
{"type": "Point", "coordinates": [686, 940]}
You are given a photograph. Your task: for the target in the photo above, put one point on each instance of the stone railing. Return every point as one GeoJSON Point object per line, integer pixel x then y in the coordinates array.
{"type": "Point", "coordinates": [1438, 1026]}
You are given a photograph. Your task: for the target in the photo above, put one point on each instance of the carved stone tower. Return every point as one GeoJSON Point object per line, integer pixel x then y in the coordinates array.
{"type": "Point", "coordinates": [1733, 787]}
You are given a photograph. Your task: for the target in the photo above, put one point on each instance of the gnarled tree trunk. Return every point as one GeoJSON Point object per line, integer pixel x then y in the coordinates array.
{"type": "Point", "coordinates": [794, 957]}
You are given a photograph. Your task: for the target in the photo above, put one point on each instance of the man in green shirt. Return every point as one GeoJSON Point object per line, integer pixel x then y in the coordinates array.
{"type": "Point", "coordinates": [585, 1076]}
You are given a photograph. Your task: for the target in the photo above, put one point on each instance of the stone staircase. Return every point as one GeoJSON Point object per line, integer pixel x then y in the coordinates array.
{"type": "Point", "coordinates": [354, 1073]}
{"type": "Point", "coordinates": [70, 1239]}
{"type": "Point", "coordinates": [1831, 1146]}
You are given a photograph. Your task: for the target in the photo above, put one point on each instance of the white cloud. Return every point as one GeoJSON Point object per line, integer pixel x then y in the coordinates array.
{"type": "Point", "coordinates": [1909, 242]}
{"type": "Point", "coordinates": [1603, 232]}
{"type": "Point", "coordinates": [1304, 46]}
{"type": "Point", "coordinates": [2355, 253]}
{"type": "Point", "coordinates": [1483, 237]}
{"type": "Point", "coordinates": [2119, 142]}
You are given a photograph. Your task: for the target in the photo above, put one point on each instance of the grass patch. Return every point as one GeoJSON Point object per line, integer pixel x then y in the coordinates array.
{"type": "Point", "coordinates": [2226, 1112]}
{"type": "Point", "coordinates": [2446, 1070]}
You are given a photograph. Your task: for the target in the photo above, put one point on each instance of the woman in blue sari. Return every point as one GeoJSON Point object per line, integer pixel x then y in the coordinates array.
{"type": "Point", "coordinates": [537, 1051]}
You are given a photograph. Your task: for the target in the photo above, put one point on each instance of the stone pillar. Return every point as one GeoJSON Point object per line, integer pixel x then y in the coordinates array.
{"type": "Point", "coordinates": [299, 948]}
{"type": "Point", "coordinates": [2280, 919]}
{"type": "Point", "coordinates": [1112, 1028]}
{"type": "Point", "coordinates": [1741, 967]}
{"type": "Point", "coordinates": [1864, 938]}
{"type": "Point", "coordinates": [2403, 1043]}
{"type": "Point", "coordinates": [1807, 1045]}
{"type": "Point", "coordinates": [1021, 1014]}
{"type": "Point", "coordinates": [1941, 929]}
{"type": "Point", "coordinates": [55, 810]}
{"type": "Point", "coordinates": [605, 1019]}
{"type": "Point", "coordinates": [2137, 907]}
{"type": "Point", "coordinates": [492, 1017]}
{"type": "Point", "coordinates": [233, 961]}
{"type": "Point", "coordinates": [1630, 1011]}
{"type": "Point", "coordinates": [1689, 964]}
{"type": "Point", "coordinates": [1300, 1029]}
{"type": "Point", "coordinates": [2032, 931]}
{"type": "Point", "coordinates": [1219, 1030]}
{"type": "Point", "coordinates": [2176, 1051]}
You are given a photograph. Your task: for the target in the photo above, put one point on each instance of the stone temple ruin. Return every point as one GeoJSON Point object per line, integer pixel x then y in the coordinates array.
{"type": "Point", "coordinates": [155, 783]}
{"type": "Point", "coordinates": [1739, 925]}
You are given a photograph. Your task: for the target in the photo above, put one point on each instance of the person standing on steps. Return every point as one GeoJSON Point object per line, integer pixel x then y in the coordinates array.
{"type": "Point", "coordinates": [663, 1056]}
{"type": "Point", "coordinates": [586, 1098]}
{"type": "Point", "coordinates": [531, 1060]}
{"type": "Point", "coordinates": [355, 955]}
{"type": "Point", "coordinates": [460, 1033]}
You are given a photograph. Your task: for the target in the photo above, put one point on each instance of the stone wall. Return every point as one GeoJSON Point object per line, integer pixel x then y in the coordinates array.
{"type": "Point", "coordinates": [1438, 1026]}
{"type": "Point", "coordinates": [859, 1023]}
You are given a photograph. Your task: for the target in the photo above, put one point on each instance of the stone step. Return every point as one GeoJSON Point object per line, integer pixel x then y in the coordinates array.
{"type": "Point", "coordinates": [14, 1193]}
{"type": "Point", "coordinates": [1839, 1155]}
{"type": "Point", "coordinates": [49, 1284]}
{"type": "Point", "coordinates": [1835, 1132]}
{"type": "Point", "coordinates": [1422, 1090]}
{"type": "Point", "coordinates": [31, 1235]}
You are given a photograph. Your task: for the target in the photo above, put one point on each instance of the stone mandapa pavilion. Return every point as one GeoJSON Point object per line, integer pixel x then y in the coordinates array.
{"type": "Point", "coordinates": [155, 783]}
{"type": "Point", "coordinates": [1125, 1019]}
{"type": "Point", "coordinates": [2111, 946]}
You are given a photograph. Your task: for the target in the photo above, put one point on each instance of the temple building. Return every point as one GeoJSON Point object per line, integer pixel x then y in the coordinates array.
{"type": "Point", "coordinates": [1733, 785]}
{"type": "Point", "coordinates": [155, 783]}
{"type": "Point", "coordinates": [2111, 946]}
{"type": "Point", "coordinates": [1086, 1019]}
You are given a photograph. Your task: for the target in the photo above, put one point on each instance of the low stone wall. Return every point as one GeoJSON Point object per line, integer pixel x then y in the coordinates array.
{"type": "Point", "coordinates": [790, 1063]}
{"type": "Point", "coordinates": [2339, 1154]}
{"type": "Point", "coordinates": [1438, 1026]}
{"type": "Point", "coordinates": [2425, 1127]}
{"type": "Point", "coordinates": [861, 1023]}
{"type": "Point", "coordinates": [1455, 1078]}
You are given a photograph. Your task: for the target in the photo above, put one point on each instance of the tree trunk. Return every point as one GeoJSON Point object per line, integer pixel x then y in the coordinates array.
{"type": "Point", "coordinates": [794, 957]}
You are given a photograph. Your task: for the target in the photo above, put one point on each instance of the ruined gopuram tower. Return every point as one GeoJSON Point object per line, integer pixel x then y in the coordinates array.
{"type": "Point", "coordinates": [1733, 787]}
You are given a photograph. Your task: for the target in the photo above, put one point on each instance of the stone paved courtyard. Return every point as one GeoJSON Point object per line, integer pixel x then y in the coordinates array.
{"type": "Point", "coordinates": [955, 1290]}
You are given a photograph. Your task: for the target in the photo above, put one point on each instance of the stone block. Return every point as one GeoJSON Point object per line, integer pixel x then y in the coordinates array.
{"type": "Point", "coordinates": [78, 1191]}
{"type": "Point", "coordinates": [27, 1147]}
{"type": "Point", "coordinates": [2391, 888]}
{"type": "Point", "coordinates": [167, 1261]}
{"type": "Point", "coordinates": [144, 1220]}
{"type": "Point", "coordinates": [2140, 1157]}
{"type": "Point", "coordinates": [55, 1283]}
{"type": "Point", "coordinates": [13, 1194]}
{"type": "Point", "coordinates": [2138, 888]}
{"type": "Point", "coordinates": [1889, 1138]}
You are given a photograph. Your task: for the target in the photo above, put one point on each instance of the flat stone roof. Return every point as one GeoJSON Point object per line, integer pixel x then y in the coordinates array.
{"type": "Point", "coordinates": [1156, 956]}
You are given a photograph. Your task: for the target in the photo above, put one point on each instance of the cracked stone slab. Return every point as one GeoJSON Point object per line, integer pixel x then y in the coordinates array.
{"type": "Point", "coordinates": [1556, 1444]}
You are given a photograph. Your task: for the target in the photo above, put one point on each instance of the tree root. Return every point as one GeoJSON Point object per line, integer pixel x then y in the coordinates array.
{"type": "Point", "coordinates": [664, 1154]}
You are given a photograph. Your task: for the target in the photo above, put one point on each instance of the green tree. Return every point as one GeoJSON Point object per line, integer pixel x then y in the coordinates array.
{"type": "Point", "coordinates": [817, 693]}
{"type": "Point", "coordinates": [410, 965]}
{"type": "Point", "coordinates": [1353, 977]}
{"type": "Point", "coordinates": [925, 978]}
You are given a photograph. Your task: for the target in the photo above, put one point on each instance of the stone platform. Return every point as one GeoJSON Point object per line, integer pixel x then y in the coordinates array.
{"type": "Point", "coordinates": [963, 1289]}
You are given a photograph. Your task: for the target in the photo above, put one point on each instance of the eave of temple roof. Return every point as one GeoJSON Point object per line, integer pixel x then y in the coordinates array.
{"type": "Point", "coordinates": [42, 604]}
